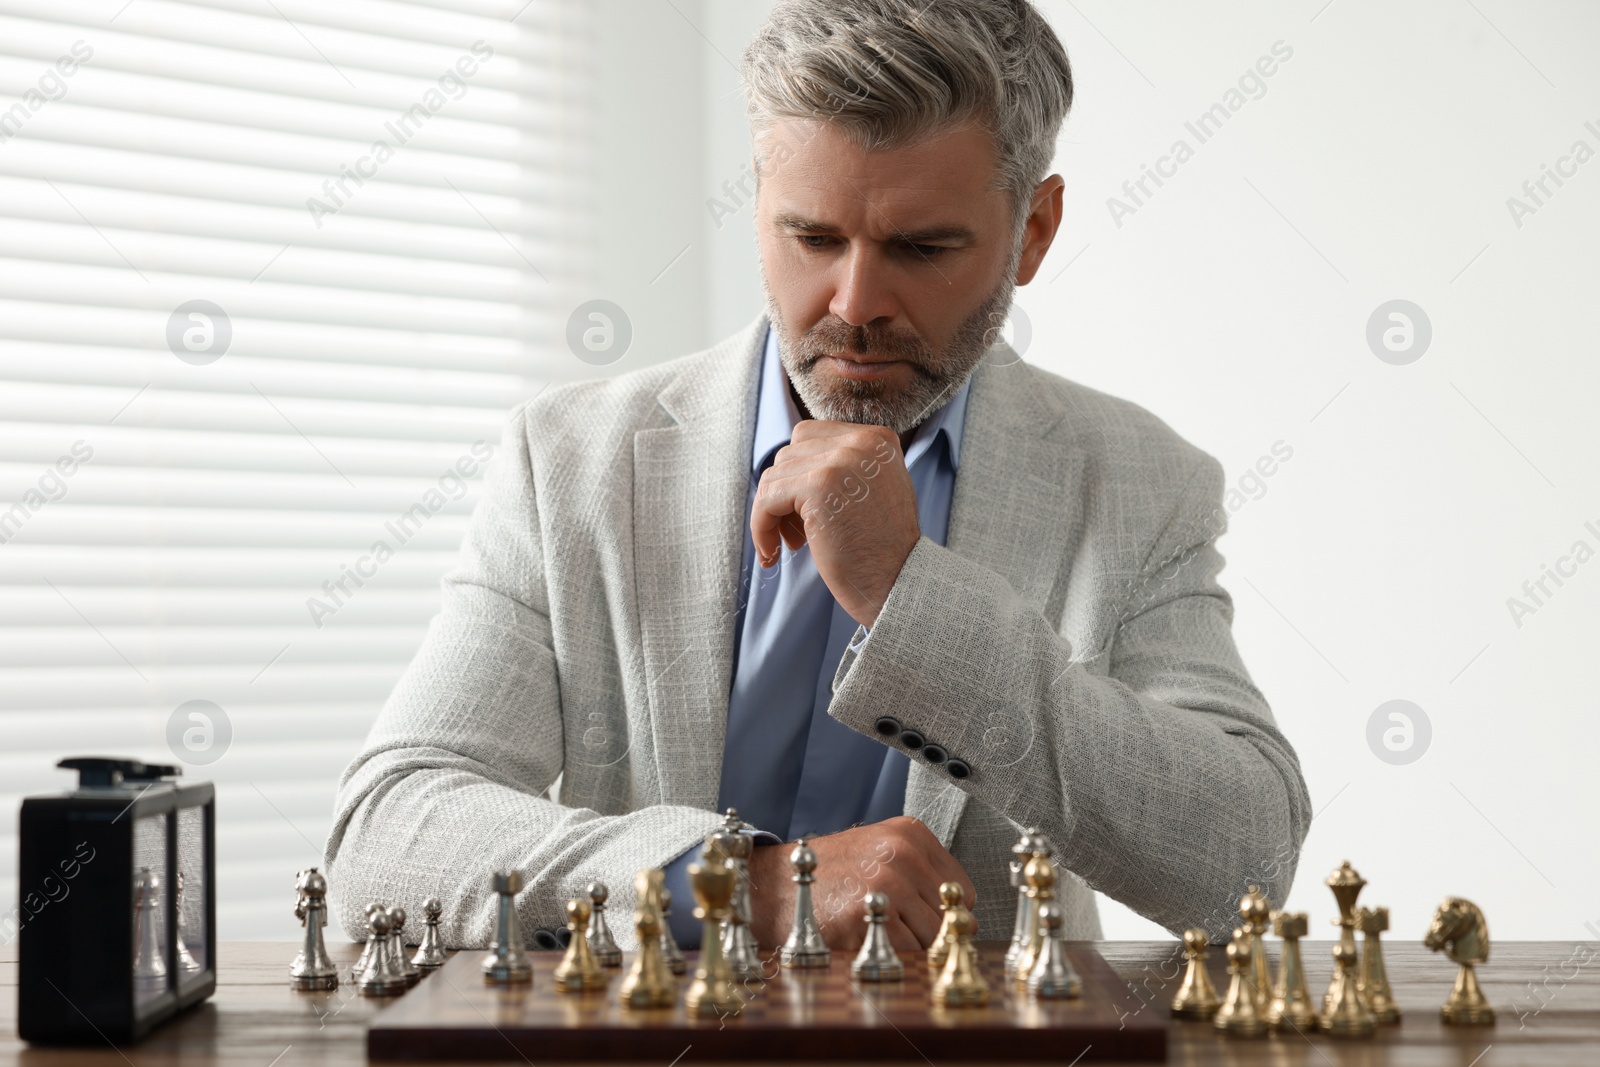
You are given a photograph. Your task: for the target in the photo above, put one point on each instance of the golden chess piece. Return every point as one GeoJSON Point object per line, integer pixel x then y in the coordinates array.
{"type": "Point", "coordinates": [1253, 912]}
{"type": "Point", "coordinates": [950, 897]}
{"type": "Point", "coordinates": [712, 993]}
{"type": "Point", "coordinates": [1197, 997]}
{"type": "Point", "coordinates": [1461, 932]}
{"type": "Point", "coordinates": [1346, 884]}
{"type": "Point", "coordinates": [1040, 874]}
{"type": "Point", "coordinates": [1372, 980]}
{"type": "Point", "coordinates": [649, 983]}
{"type": "Point", "coordinates": [960, 984]}
{"type": "Point", "coordinates": [1291, 1007]}
{"type": "Point", "coordinates": [1238, 1016]}
{"type": "Point", "coordinates": [579, 970]}
{"type": "Point", "coordinates": [1349, 1015]}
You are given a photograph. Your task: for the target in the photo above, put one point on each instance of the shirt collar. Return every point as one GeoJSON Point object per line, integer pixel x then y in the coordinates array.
{"type": "Point", "coordinates": [776, 415]}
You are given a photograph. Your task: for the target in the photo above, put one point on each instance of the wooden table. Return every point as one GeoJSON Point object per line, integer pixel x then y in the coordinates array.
{"type": "Point", "coordinates": [256, 1020]}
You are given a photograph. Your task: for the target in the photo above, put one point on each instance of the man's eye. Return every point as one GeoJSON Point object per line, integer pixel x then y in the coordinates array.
{"type": "Point", "coordinates": [807, 240]}
{"type": "Point", "coordinates": [928, 251]}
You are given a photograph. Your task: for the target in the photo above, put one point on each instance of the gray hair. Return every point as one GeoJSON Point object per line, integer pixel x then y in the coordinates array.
{"type": "Point", "coordinates": [889, 72]}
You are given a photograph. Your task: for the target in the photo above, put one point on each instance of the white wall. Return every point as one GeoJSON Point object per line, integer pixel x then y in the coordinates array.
{"type": "Point", "coordinates": [1376, 563]}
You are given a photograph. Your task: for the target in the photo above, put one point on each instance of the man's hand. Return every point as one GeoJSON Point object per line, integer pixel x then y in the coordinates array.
{"type": "Point", "coordinates": [843, 488]}
{"type": "Point", "coordinates": [899, 857]}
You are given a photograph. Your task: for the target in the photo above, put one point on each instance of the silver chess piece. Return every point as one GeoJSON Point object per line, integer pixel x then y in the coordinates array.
{"type": "Point", "coordinates": [805, 947]}
{"type": "Point", "coordinates": [1022, 928]}
{"type": "Point", "coordinates": [738, 943]}
{"type": "Point", "coordinates": [669, 944]}
{"type": "Point", "coordinates": [186, 958]}
{"type": "Point", "coordinates": [312, 968]}
{"type": "Point", "coordinates": [877, 962]}
{"type": "Point", "coordinates": [506, 962]}
{"type": "Point", "coordinates": [397, 925]}
{"type": "Point", "coordinates": [1052, 977]}
{"type": "Point", "coordinates": [430, 953]}
{"type": "Point", "coordinates": [600, 940]}
{"type": "Point", "coordinates": [366, 950]}
{"type": "Point", "coordinates": [379, 978]}
{"type": "Point", "coordinates": [149, 965]}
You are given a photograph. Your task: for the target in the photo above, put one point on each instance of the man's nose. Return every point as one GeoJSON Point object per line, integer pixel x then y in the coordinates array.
{"type": "Point", "coordinates": [862, 292]}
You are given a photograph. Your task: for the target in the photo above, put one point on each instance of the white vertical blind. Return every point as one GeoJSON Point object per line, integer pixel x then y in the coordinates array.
{"type": "Point", "coordinates": [379, 204]}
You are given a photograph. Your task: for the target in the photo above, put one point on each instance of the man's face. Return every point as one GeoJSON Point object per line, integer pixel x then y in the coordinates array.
{"type": "Point", "coordinates": [887, 273]}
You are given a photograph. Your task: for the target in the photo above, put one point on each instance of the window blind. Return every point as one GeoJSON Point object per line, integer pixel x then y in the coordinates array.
{"type": "Point", "coordinates": [271, 276]}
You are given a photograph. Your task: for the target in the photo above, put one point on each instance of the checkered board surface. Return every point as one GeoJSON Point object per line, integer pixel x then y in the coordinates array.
{"type": "Point", "coordinates": [793, 1015]}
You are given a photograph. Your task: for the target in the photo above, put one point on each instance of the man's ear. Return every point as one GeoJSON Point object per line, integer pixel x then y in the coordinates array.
{"type": "Point", "coordinates": [1039, 231]}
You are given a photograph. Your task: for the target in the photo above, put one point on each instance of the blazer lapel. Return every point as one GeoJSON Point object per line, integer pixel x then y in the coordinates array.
{"type": "Point", "coordinates": [1015, 451]}
{"type": "Point", "coordinates": [690, 480]}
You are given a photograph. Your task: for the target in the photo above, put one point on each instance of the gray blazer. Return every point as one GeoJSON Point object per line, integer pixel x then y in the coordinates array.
{"type": "Point", "coordinates": [1071, 646]}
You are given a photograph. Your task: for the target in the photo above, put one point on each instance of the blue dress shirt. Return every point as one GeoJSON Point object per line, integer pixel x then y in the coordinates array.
{"type": "Point", "coordinates": [789, 768]}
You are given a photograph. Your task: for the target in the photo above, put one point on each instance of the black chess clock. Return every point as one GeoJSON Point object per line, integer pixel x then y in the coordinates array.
{"type": "Point", "coordinates": [118, 890]}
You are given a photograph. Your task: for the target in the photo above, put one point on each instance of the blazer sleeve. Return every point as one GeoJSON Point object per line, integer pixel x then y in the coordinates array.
{"type": "Point", "coordinates": [1164, 782]}
{"type": "Point", "coordinates": [456, 776]}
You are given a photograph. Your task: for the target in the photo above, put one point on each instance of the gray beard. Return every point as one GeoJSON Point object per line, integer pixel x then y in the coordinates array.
{"type": "Point", "coordinates": [937, 376]}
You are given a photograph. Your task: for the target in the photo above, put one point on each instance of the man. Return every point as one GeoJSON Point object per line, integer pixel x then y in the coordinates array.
{"type": "Point", "coordinates": [855, 571]}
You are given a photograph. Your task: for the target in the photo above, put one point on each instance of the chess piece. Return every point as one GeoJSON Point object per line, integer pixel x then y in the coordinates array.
{"type": "Point", "coordinates": [805, 947]}
{"type": "Point", "coordinates": [579, 971]}
{"type": "Point", "coordinates": [397, 947]}
{"type": "Point", "coordinates": [961, 984]}
{"type": "Point", "coordinates": [379, 977]}
{"type": "Point", "coordinates": [712, 993]}
{"type": "Point", "coordinates": [1348, 1016]}
{"type": "Point", "coordinates": [1372, 979]}
{"type": "Point", "coordinates": [1461, 932]}
{"type": "Point", "coordinates": [1346, 885]}
{"type": "Point", "coordinates": [1290, 1007]}
{"type": "Point", "coordinates": [1253, 912]}
{"type": "Point", "coordinates": [1238, 1017]}
{"type": "Point", "coordinates": [950, 896]}
{"type": "Point", "coordinates": [1197, 997]}
{"type": "Point", "coordinates": [649, 983]}
{"type": "Point", "coordinates": [186, 958]}
{"type": "Point", "coordinates": [669, 944]}
{"type": "Point", "coordinates": [1040, 874]}
{"type": "Point", "coordinates": [1023, 926]}
{"type": "Point", "coordinates": [430, 954]}
{"type": "Point", "coordinates": [738, 942]}
{"type": "Point", "coordinates": [506, 962]}
{"type": "Point", "coordinates": [600, 939]}
{"type": "Point", "coordinates": [366, 950]}
{"type": "Point", "coordinates": [149, 961]}
{"type": "Point", "coordinates": [877, 962]}
{"type": "Point", "coordinates": [1052, 977]}
{"type": "Point", "coordinates": [312, 968]}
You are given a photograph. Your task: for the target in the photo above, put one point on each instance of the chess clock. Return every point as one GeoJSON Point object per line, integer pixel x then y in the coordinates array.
{"type": "Point", "coordinates": [118, 914]}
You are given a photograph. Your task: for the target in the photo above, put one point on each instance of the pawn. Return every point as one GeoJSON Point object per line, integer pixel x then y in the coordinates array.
{"type": "Point", "coordinates": [1052, 977]}
{"type": "Point", "coordinates": [380, 978]}
{"type": "Point", "coordinates": [877, 962]}
{"type": "Point", "coordinates": [1238, 1017]}
{"type": "Point", "coordinates": [961, 984]}
{"type": "Point", "coordinates": [950, 897]}
{"type": "Point", "coordinates": [805, 947]}
{"type": "Point", "coordinates": [1348, 1016]}
{"type": "Point", "coordinates": [600, 939]}
{"type": "Point", "coordinates": [397, 947]}
{"type": "Point", "coordinates": [1040, 874]}
{"type": "Point", "coordinates": [312, 968]}
{"type": "Point", "coordinates": [1197, 997]}
{"type": "Point", "coordinates": [506, 962]}
{"type": "Point", "coordinates": [430, 953]}
{"type": "Point", "coordinates": [579, 971]}
{"type": "Point", "coordinates": [1291, 1007]}
{"type": "Point", "coordinates": [1253, 913]}
{"type": "Point", "coordinates": [669, 944]}
{"type": "Point", "coordinates": [649, 983]}
{"type": "Point", "coordinates": [1372, 980]}
{"type": "Point", "coordinates": [366, 950]}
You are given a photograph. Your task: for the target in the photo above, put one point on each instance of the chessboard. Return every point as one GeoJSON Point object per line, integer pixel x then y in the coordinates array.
{"type": "Point", "coordinates": [791, 1015]}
